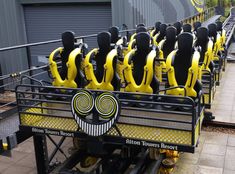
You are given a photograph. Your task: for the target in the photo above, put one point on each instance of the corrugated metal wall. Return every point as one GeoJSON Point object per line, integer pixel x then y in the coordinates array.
{"type": "Point", "coordinates": [132, 12]}
{"type": "Point", "coordinates": [47, 22]}
{"type": "Point", "coordinates": [11, 33]}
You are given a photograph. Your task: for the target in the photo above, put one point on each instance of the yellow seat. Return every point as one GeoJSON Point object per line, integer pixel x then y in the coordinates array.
{"type": "Point", "coordinates": [206, 45]}
{"type": "Point", "coordinates": [161, 34]}
{"type": "Point", "coordinates": [182, 66]}
{"type": "Point", "coordinates": [166, 46]}
{"type": "Point", "coordinates": [222, 32]}
{"type": "Point", "coordinates": [70, 74]}
{"type": "Point", "coordinates": [139, 66]}
{"type": "Point", "coordinates": [216, 37]}
{"type": "Point", "coordinates": [156, 29]}
{"type": "Point", "coordinates": [104, 76]}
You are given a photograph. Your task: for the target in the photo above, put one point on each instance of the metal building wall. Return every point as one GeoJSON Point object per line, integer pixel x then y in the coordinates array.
{"type": "Point", "coordinates": [132, 12]}
{"type": "Point", "coordinates": [11, 33]}
{"type": "Point", "coordinates": [129, 12]}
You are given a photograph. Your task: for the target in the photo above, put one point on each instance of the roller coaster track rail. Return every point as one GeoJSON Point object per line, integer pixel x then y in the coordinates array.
{"type": "Point", "coordinates": [229, 26]}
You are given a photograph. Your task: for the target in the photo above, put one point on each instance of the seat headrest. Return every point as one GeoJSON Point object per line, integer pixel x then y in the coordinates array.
{"type": "Point", "coordinates": [185, 42]}
{"type": "Point", "coordinates": [171, 33]}
{"type": "Point", "coordinates": [202, 34]}
{"type": "Point", "coordinates": [143, 41]}
{"type": "Point", "coordinates": [157, 26]}
{"type": "Point", "coordinates": [140, 25]}
{"type": "Point", "coordinates": [104, 41]}
{"type": "Point", "coordinates": [163, 29]}
{"type": "Point", "coordinates": [212, 30]}
{"type": "Point", "coordinates": [219, 26]}
{"type": "Point", "coordinates": [196, 25]}
{"type": "Point", "coordinates": [178, 27]}
{"type": "Point", "coordinates": [68, 39]}
{"type": "Point", "coordinates": [187, 28]}
{"type": "Point", "coordinates": [114, 31]}
{"type": "Point", "coordinates": [141, 29]}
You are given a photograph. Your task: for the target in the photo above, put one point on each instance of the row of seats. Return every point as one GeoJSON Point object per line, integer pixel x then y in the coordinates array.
{"type": "Point", "coordinates": [181, 53]}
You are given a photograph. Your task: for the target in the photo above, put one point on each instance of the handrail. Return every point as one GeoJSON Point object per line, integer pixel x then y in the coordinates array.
{"type": "Point", "coordinates": [197, 14]}
{"type": "Point", "coordinates": [52, 41]}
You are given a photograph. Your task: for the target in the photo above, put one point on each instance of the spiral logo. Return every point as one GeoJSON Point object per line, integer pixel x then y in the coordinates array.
{"type": "Point", "coordinates": [95, 113]}
{"type": "Point", "coordinates": [106, 105]}
{"type": "Point", "coordinates": [83, 102]}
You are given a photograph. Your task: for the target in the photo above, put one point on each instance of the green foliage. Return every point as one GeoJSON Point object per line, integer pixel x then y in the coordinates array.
{"type": "Point", "coordinates": [227, 3]}
{"type": "Point", "coordinates": [211, 3]}
{"type": "Point", "coordinates": [224, 3]}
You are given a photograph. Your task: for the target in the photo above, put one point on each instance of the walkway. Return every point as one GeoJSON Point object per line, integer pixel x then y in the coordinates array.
{"type": "Point", "coordinates": [215, 155]}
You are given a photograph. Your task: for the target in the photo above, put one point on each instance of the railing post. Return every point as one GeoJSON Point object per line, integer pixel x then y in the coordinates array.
{"type": "Point", "coordinates": [29, 60]}
{"type": "Point", "coordinates": [1, 81]}
{"type": "Point", "coordinates": [41, 153]}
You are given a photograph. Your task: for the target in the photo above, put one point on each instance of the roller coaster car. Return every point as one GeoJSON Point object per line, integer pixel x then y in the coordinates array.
{"type": "Point", "coordinates": [156, 29]}
{"type": "Point", "coordinates": [217, 59]}
{"type": "Point", "coordinates": [207, 68]}
{"type": "Point", "coordinates": [160, 36]}
{"type": "Point", "coordinates": [182, 68]}
{"type": "Point", "coordinates": [102, 120]}
{"type": "Point", "coordinates": [139, 65]}
{"type": "Point", "coordinates": [104, 76]}
{"type": "Point", "coordinates": [166, 46]}
{"type": "Point", "coordinates": [71, 56]}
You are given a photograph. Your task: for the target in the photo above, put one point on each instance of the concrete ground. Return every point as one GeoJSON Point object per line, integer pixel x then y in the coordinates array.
{"type": "Point", "coordinates": [223, 107]}
{"type": "Point", "coordinates": [22, 159]}
{"type": "Point", "coordinates": [214, 155]}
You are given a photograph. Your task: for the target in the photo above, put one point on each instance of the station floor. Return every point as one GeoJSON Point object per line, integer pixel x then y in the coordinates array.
{"type": "Point", "coordinates": [223, 106]}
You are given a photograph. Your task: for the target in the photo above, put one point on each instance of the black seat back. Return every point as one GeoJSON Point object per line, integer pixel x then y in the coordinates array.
{"type": "Point", "coordinates": [169, 44]}
{"type": "Point", "coordinates": [162, 33]}
{"type": "Point", "coordinates": [68, 41]}
{"type": "Point", "coordinates": [114, 31]}
{"type": "Point", "coordinates": [212, 31]}
{"type": "Point", "coordinates": [157, 28]}
{"type": "Point", "coordinates": [183, 58]}
{"type": "Point", "coordinates": [178, 27]}
{"type": "Point", "coordinates": [196, 25]}
{"type": "Point", "coordinates": [104, 41]}
{"type": "Point", "coordinates": [141, 29]}
{"type": "Point", "coordinates": [187, 28]}
{"type": "Point", "coordinates": [139, 59]}
{"type": "Point", "coordinates": [202, 41]}
{"type": "Point", "coordinates": [140, 25]}
{"type": "Point", "coordinates": [219, 26]}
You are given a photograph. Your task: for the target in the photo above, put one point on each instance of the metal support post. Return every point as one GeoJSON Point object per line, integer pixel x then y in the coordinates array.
{"type": "Point", "coordinates": [41, 153]}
